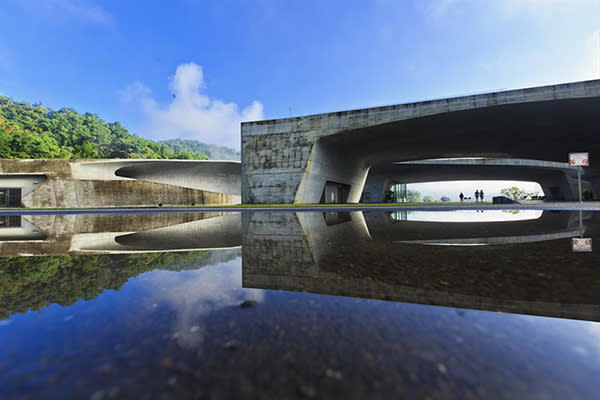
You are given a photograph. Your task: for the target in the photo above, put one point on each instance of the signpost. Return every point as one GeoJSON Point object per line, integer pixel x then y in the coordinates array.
{"type": "Point", "coordinates": [579, 160]}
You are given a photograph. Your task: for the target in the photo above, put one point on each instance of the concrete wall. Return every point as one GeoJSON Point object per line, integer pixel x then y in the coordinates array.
{"type": "Point", "coordinates": [94, 184]}
{"type": "Point", "coordinates": [289, 160]}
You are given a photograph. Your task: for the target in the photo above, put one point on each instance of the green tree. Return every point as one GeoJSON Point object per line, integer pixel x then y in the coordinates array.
{"type": "Point", "coordinates": [445, 199]}
{"type": "Point", "coordinates": [514, 193]}
{"type": "Point", "coordinates": [34, 131]}
{"type": "Point", "coordinates": [428, 199]}
{"type": "Point", "coordinates": [413, 196]}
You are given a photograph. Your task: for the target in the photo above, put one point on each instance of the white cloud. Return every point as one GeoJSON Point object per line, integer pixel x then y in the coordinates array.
{"type": "Point", "coordinates": [437, 11]}
{"type": "Point", "coordinates": [63, 10]}
{"type": "Point", "coordinates": [590, 67]}
{"type": "Point", "coordinates": [199, 293]}
{"type": "Point", "coordinates": [191, 113]}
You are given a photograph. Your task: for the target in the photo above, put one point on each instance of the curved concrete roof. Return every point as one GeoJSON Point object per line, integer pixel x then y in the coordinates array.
{"type": "Point", "coordinates": [421, 172]}
{"type": "Point", "coordinates": [210, 175]}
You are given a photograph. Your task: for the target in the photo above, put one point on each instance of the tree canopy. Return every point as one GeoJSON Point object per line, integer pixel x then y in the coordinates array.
{"type": "Point", "coordinates": [413, 196]}
{"type": "Point", "coordinates": [514, 193]}
{"type": "Point", "coordinates": [34, 131]}
{"type": "Point", "coordinates": [213, 151]}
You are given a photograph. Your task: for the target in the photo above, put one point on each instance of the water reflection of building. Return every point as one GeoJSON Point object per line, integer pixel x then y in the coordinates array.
{"type": "Point", "coordinates": [371, 256]}
{"type": "Point", "coordinates": [111, 234]}
{"type": "Point", "coordinates": [526, 267]}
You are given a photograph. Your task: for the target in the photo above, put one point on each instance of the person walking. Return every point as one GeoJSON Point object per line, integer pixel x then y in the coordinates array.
{"type": "Point", "coordinates": [476, 195]}
{"type": "Point", "coordinates": [461, 197]}
{"type": "Point", "coordinates": [481, 194]}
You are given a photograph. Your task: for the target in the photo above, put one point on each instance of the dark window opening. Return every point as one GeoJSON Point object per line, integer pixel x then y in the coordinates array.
{"type": "Point", "coordinates": [10, 221]}
{"type": "Point", "coordinates": [335, 218]}
{"type": "Point", "coordinates": [10, 197]}
{"type": "Point", "coordinates": [335, 192]}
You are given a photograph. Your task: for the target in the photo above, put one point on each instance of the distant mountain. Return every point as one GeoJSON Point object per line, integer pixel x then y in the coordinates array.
{"type": "Point", "coordinates": [35, 131]}
{"type": "Point", "coordinates": [198, 148]}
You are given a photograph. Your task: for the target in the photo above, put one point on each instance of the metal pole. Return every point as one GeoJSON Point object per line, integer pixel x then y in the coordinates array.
{"type": "Point", "coordinates": [579, 183]}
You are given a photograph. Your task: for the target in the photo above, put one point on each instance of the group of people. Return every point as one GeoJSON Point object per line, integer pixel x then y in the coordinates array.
{"type": "Point", "coordinates": [478, 196]}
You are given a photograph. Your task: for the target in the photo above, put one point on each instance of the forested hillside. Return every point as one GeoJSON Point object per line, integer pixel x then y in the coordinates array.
{"type": "Point", "coordinates": [195, 147]}
{"type": "Point", "coordinates": [34, 131]}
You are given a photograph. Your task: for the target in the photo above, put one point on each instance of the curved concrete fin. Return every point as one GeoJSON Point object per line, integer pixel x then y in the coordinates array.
{"type": "Point", "coordinates": [212, 176]}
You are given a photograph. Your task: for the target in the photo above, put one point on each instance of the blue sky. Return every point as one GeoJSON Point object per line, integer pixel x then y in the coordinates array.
{"type": "Point", "coordinates": [227, 61]}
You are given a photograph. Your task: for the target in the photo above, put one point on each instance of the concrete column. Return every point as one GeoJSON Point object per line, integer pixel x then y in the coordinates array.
{"type": "Point", "coordinates": [328, 164]}
{"type": "Point", "coordinates": [376, 186]}
{"type": "Point", "coordinates": [596, 187]}
{"type": "Point", "coordinates": [562, 187]}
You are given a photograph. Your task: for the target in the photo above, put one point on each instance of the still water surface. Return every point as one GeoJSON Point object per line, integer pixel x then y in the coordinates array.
{"type": "Point", "coordinates": [306, 305]}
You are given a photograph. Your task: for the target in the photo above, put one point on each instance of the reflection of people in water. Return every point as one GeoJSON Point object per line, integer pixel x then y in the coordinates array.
{"type": "Point", "coordinates": [481, 194]}
{"type": "Point", "coordinates": [477, 195]}
{"type": "Point", "coordinates": [461, 196]}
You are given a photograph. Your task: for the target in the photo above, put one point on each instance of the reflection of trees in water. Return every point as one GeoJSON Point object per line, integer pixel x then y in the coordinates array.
{"type": "Point", "coordinates": [32, 283]}
{"type": "Point", "coordinates": [511, 211]}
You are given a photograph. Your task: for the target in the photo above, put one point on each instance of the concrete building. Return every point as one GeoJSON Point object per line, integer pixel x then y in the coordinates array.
{"type": "Point", "coordinates": [327, 157]}
{"type": "Point", "coordinates": [117, 183]}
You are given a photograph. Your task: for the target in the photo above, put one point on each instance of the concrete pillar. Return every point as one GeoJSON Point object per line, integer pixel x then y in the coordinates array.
{"type": "Point", "coordinates": [375, 187]}
{"type": "Point", "coordinates": [596, 187]}
{"type": "Point", "coordinates": [561, 187]}
{"type": "Point", "coordinates": [328, 164]}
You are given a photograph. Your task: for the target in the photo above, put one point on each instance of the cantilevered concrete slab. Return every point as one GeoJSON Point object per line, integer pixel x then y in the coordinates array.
{"type": "Point", "coordinates": [293, 160]}
{"type": "Point", "coordinates": [210, 175]}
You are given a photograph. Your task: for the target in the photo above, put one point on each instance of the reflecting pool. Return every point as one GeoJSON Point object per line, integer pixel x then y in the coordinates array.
{"type": "Point", "coordinates": [300, 305]}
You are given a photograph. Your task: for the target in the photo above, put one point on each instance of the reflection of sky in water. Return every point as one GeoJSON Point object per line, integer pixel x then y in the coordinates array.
{"type": "Point", "coordinates": [195, 294]}
{"type": "Point", "coordinates": [470, 215]}
{"type": "Point", "coordinates": [142, 332]}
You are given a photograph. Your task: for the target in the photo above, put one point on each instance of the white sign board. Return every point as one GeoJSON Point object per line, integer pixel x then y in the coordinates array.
{"type": "Point", "coordinates": [576, 159]}
{"type": "Point", "coordinates": [584, 244]}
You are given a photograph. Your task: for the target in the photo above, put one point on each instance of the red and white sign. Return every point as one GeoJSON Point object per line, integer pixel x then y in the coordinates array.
{"type": "Point", "coordinates": [578, 244]}
{"type": "Point", "coordinates": [576, 159]}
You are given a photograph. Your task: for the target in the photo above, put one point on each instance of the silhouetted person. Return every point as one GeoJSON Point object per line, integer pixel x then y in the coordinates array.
{"type": "Point", "coordinates": [481, 194]}
{"type": "Point", "coordinates": [461, 196]}
{"type": "Point", "coordinates": [477, 195]}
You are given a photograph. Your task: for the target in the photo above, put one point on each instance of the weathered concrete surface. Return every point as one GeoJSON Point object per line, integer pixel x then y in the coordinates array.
{"type": "Point", "coordinates": [558, 180]}
{"type": "Point", "coordinates": [540, 278]}
{"type": "Point", "coordinates": [289, 160]}
{"type": "Point", "coordinates": [90, 184]}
